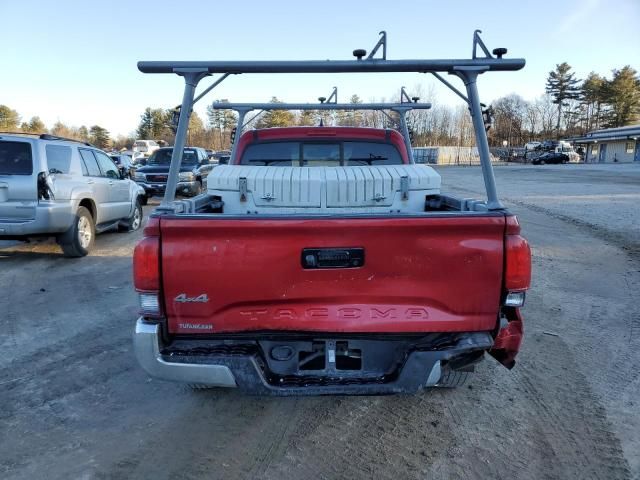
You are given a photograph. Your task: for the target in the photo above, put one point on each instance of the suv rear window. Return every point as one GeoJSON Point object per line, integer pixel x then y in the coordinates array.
{"type": "Point", "coordinates": [58, 158]}
{"type": "Point", "coordinates": [321, 154]}
{"type": "Point", "coordinates": [15, 158]}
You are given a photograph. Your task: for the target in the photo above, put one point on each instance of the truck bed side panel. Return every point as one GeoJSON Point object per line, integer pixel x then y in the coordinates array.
{"type": "Point", "coordinates": [420, 274]}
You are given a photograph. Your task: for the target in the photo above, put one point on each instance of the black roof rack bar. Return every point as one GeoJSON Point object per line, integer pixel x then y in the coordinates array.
{"type": "Point", "coordinates": [20, 133]}
{"type": "Point", "coordinates": [47, 136]}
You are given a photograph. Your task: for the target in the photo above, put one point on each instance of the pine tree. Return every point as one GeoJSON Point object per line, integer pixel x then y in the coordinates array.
{"type": "Point", "coordinates": [35, 125]}
{"type": "Point", "coordinates": [221, 121]}
{"type": "Point", "coordinates": [9, 119]}
{"type": "Point", "coordinates": [145, 126]}
{"type": "Point", "coordinates": [83, 133]}
{"type": "Point", "coordinates": [623, 94]}
{"type": "Point", "coordinates": [276, 118]}
{"type": "Point", "coordinates": [593, 97]}
{"type": "Point", "coordinates": [351, 118]}
{"type": "Point", "coordinates": [562, 86]}
{"type": "Point", "coordinates": [160, 124]}
{"type": "Point", "coordinates": [99, 137]}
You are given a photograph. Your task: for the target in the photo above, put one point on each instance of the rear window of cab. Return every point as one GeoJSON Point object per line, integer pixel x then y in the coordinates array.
{"type": "Point", "coordinates": [15, 158]}
{"type": "Point", "coordinates": [320, 154]}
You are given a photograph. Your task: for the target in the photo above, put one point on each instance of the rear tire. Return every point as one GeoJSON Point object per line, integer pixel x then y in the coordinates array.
{"type": "Point", "coordinates": [134, 222]}
{"type": "Point", "coordinates": [78, 240]}
{"type": "Point", "coordinates": [452, 379]}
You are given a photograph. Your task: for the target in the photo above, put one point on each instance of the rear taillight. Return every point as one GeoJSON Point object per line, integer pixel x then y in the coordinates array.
{"type": "Point", "coordinates": [518, 259]}
{"type": "Point", "coordinates": [146, 271]}
{"type": "Point", "coordinates": [146, 264]}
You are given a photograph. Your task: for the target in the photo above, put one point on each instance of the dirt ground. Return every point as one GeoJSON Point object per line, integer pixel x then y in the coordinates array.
{"type": "Point", "coordinates": [75, 405]}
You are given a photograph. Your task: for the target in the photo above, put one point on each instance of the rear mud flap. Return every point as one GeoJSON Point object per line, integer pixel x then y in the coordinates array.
{"type": "Point", "coordinates": [507, 343]}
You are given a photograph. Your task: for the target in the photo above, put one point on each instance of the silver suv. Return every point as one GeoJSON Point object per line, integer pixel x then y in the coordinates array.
{"type": "Point", "coordinates": [51, 186]}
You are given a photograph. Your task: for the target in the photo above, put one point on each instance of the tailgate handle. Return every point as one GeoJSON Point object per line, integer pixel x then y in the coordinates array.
{"type": "Point", "coordinates": [313, 258]}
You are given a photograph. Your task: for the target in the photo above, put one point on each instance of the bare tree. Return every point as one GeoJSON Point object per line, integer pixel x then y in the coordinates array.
{"type": "Point", "coordinates": [547, 112]}
{"type": "Point", "coordinates": [510, 114]}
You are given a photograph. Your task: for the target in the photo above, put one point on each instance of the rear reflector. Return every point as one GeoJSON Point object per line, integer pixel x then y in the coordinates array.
{"type": "Point", "coordinates": [518, 263]}
{"type": "Point", "coordinates": [146, 264]}
{"type": "Point", "coordinates": [149, 304]}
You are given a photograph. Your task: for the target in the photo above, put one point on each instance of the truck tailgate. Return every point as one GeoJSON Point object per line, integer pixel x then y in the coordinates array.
{"type": "Point", "coordinates": [420, 274]}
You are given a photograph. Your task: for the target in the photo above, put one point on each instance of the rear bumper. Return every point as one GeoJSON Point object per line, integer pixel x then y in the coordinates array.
{"type": "Point", "coordinates": [49, 218]}
{"type": "Point", "coordinates": [248, 371]}
{"type": "Point", "coordinates": [147, 344]}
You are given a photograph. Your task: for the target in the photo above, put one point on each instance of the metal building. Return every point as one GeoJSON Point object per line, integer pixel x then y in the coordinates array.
{"type": "Point", "coordinates": [611, 145]}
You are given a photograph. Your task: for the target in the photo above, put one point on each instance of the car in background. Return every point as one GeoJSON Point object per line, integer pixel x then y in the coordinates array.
{"type": "Point", "coordinates": [137, 160]}
{"type": "Point", "coordinates": [194, 168]}
{"type": "Point", "coordinates": [529, 146]}
{"type": "Point", "coordinates": [222, 157]}
{"type": "Point", "coordinates": [551, 157]}
{"type": "Point", "coordinates": [123, 162]}
{"type": "Point", "coordinates": [146, 147]}
{"type": "Point", "coordinates": [135, 156]}
{"type": "Point", "coordinates": [56, 187]}
{"type": "Point", "coordinates": [555, 145]}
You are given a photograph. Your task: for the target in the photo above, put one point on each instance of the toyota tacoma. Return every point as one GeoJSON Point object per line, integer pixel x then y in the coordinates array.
{"type": "Point", "coordinates": [322, 260]}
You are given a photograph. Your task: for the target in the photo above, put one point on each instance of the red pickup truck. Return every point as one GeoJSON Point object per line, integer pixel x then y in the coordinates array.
{"type": "Point", "coordinates": [322, 260]}
{"type": "Point", "coordinates": [326, 277]}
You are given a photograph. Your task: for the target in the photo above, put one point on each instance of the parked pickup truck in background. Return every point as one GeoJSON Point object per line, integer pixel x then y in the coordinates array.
{"type": "Point", "coordinates": [153, 175]}
{"type": "Point", "coordinates": [323, 261]}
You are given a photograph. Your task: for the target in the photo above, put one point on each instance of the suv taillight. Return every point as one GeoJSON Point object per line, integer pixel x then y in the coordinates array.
{"type": "Point", "coordinates": [146, 270]}
{"type": "Point", "coordinates": [517, 259]}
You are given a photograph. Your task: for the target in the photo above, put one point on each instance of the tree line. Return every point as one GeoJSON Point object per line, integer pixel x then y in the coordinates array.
{"type": "Point", "coordinates": [569, 107]}
{"type": "Point", "coordinates": [96, 135]}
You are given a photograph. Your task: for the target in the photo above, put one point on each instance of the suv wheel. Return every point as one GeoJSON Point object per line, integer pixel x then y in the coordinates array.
{"type": "Point", "coordinates": [78, 240]}
{"type": "Point", "coordinates": [134, 222]}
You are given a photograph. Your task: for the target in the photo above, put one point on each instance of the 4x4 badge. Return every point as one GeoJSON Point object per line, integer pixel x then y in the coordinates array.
{"type": "Point", "coordinates": [182, 298]}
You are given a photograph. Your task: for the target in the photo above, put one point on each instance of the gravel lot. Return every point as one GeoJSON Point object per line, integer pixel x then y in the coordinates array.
{"type": "Point", "coordinates": [76, 405]}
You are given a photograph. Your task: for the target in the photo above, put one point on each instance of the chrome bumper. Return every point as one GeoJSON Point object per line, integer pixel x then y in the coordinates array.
{"type": "Point", "coordinates": [147, 344]}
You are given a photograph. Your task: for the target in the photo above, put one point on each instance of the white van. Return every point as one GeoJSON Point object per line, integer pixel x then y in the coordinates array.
{"type": "Point", "coordinates": [146, 147]}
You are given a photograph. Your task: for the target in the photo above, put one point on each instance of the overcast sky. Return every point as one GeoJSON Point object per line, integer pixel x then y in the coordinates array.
{"type": "Point", "coordinates": [76, 61]}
